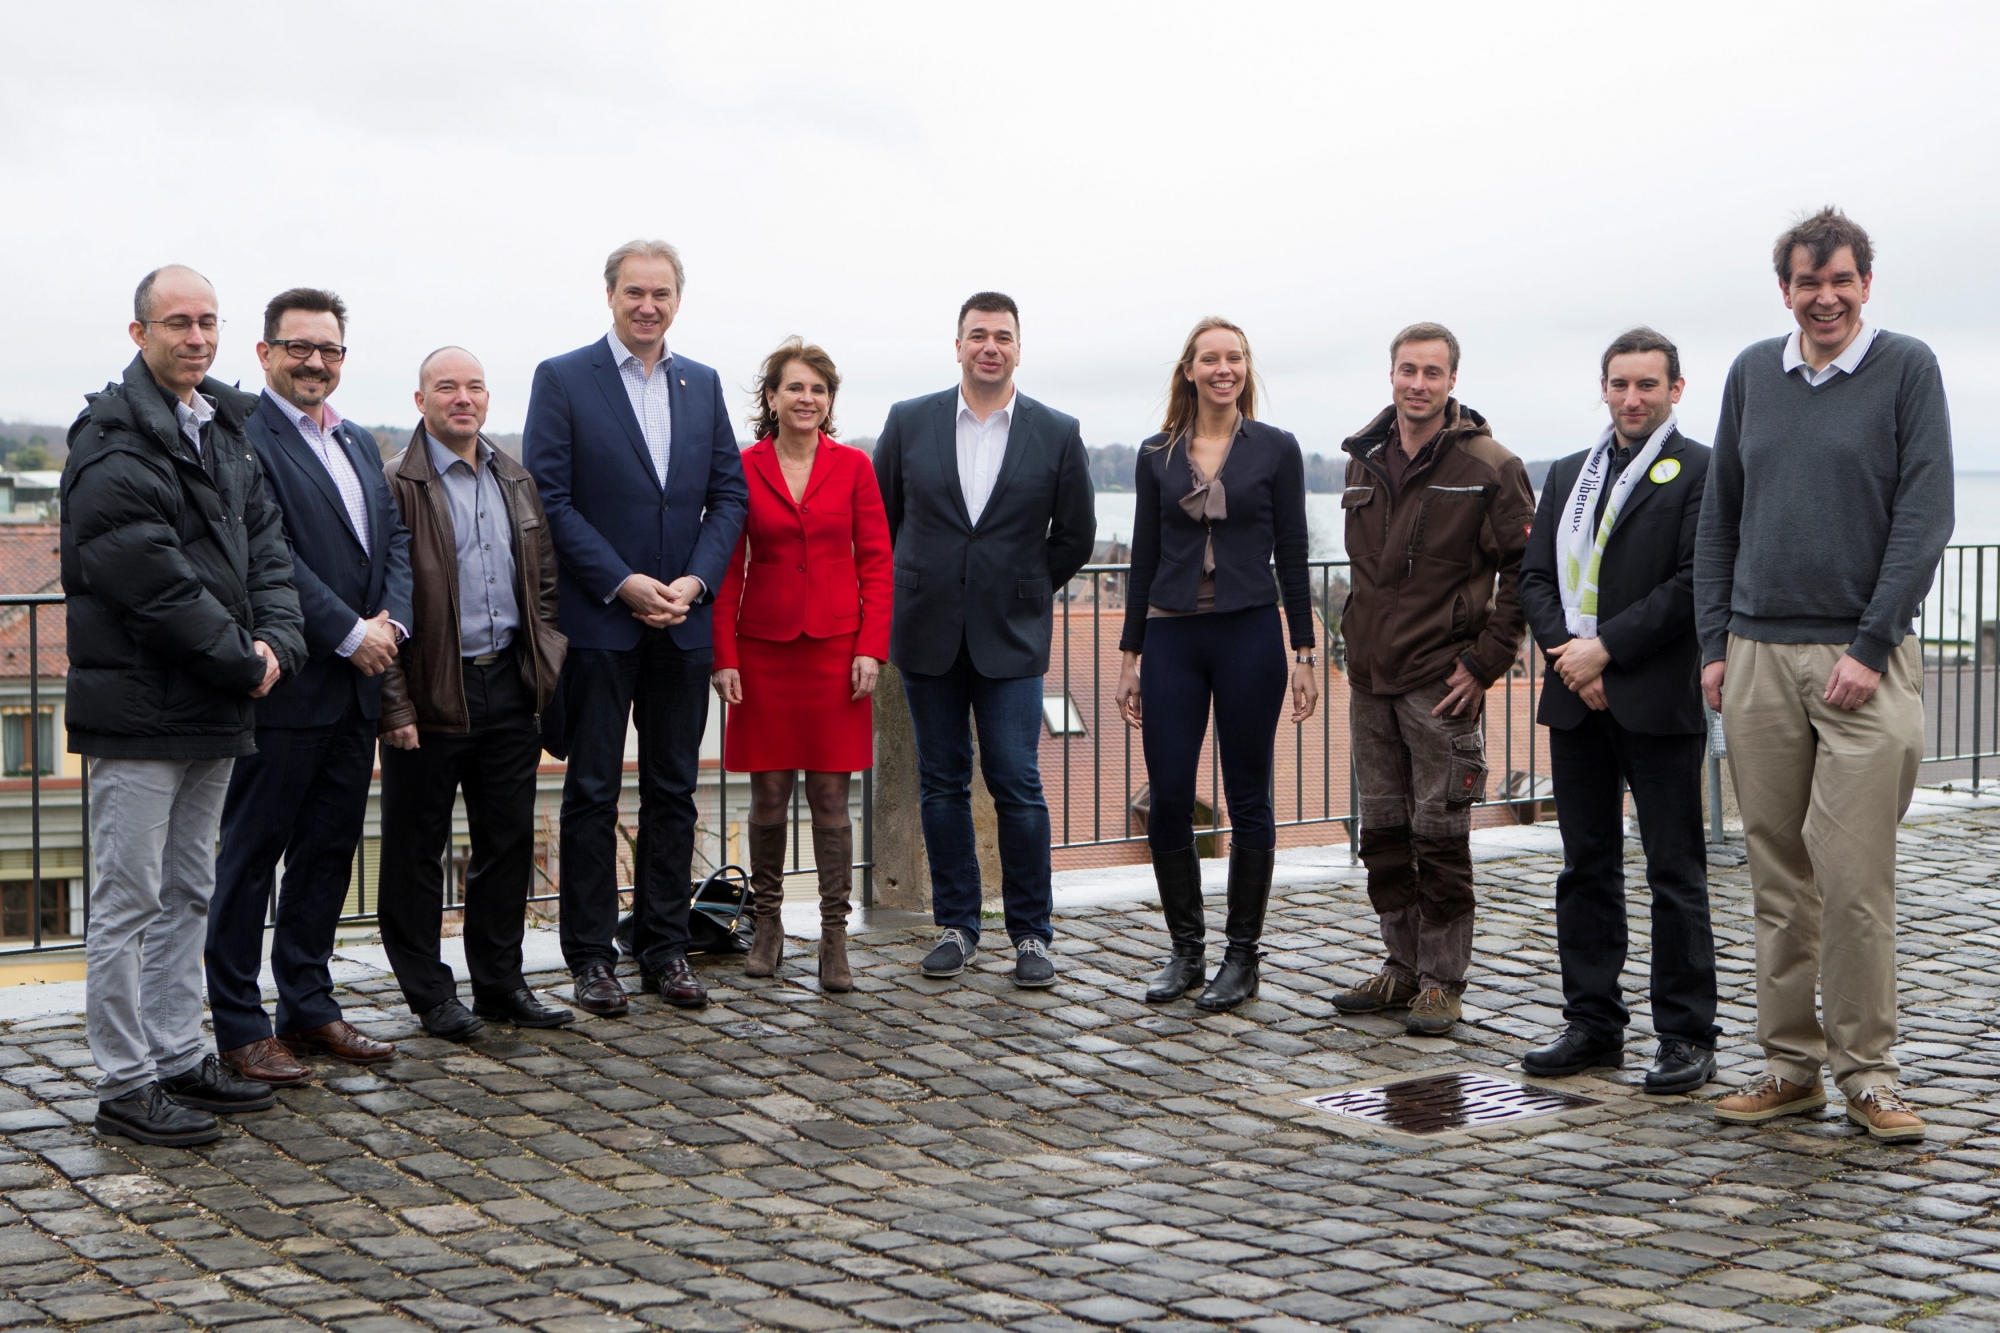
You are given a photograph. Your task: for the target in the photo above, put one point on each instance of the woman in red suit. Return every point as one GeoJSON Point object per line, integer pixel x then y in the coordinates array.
{"type": "Point", "coordinates": [801, 628]}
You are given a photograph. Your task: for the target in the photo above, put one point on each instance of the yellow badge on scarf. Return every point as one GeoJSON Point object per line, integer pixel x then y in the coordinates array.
{"type": "Point", "coordinates": [1664, 471]}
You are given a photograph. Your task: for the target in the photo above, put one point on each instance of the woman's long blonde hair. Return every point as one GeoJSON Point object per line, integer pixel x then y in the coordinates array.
{"type": "Point", "coordinates": [764, 420]}
{"type": "Point", "coordinates": [1181, 401]}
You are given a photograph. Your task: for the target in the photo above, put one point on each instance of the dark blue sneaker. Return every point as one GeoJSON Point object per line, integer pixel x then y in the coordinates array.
{"type": "Point", "coordinates": [952, 955]}
{"type": "Point", "coordinates": [1033, 969]}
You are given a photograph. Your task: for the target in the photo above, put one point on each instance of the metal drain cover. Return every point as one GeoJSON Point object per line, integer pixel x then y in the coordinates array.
{"type": "Point", "coordinates": [1439, 1103]}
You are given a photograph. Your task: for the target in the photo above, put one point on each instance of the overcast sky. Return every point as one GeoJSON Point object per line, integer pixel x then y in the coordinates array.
{"type": "Point", "coordinates": [1538, 177]}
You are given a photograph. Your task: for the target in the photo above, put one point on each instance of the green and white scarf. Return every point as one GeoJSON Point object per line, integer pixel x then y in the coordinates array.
{"type": "Point", "coordinates": [1579, 553]}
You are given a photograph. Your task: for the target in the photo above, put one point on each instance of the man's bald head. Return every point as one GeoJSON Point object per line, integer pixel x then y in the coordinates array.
{"type": "Point", "coordinates": [177, 279]}
{"type": "Point", "coordinates": [462, 363]}
{"type": "Point", "coordinates": [451, 393]}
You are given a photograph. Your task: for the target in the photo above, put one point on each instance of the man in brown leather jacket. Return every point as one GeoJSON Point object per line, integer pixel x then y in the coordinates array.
{"type": "Point", "coordinates": [462, 704]}
{"type": "Point", "coordinates": [1438, 516]}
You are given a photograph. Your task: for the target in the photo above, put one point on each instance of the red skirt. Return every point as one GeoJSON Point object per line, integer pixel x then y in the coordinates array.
{"type": "Point", "coordinates": [798, 709]}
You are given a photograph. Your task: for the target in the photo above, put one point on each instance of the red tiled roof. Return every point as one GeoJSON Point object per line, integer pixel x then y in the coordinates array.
{"type": "Point", "coordinates": [31, 561]}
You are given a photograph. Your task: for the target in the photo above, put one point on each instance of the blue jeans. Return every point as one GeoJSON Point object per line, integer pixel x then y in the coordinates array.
{"type": "Point", "coordinates": [1008, 713]}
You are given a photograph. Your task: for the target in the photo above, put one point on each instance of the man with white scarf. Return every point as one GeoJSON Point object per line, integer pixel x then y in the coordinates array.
{"type": "Point", "coordinates": [1608, 585]}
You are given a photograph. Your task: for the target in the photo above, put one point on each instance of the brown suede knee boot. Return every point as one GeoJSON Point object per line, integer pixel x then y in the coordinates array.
{"type": "Point", "coordinates": [833, 852]}
{"type": "Point", "coordinates": [767, 899]}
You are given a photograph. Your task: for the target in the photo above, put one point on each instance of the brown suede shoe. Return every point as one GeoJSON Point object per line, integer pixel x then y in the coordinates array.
{"type": "Point", "coordinates": [1381, 991]}
{"type": "Point", "coordinates": [767, 899]}
{"type": "Point", "coordinates": [1883, 1113]}
{"type": "Point", "coordinates": [266, 1061]}
{"type": "Point", "coordinates": [339, 1040]}
{"type": "Point", "coordinates": [833, 853]}
{"type": "Point", "coordinates": [1766, 1097]}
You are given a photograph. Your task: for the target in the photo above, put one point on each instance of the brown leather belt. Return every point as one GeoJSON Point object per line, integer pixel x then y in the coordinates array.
{"type": "Point", "coordinates": [487, 659]}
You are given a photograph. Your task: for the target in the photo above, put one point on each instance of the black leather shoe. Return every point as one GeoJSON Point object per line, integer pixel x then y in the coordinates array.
{"type": "Point", "coordinates": [1572, 1053]}
{"type": "Point", "coordinates": [1178, 875]}
{"type": "Point", "coordinates": [1249, 893]}
{"type": "Point", "coordinates": [451, 1021]}
{"type": "Point", "coordinates": [522, 1008]}
{"type": "Point", "coordinates": [676, 984]}
{"type": "Point", "coordinates": [1681, 1066]}
{"type": "Point", "coordinates": [214, 1086]}
{"type": "Point", "coordinates": [598, 991]}
{"type": "Point", "coordinates": [148, 1115]}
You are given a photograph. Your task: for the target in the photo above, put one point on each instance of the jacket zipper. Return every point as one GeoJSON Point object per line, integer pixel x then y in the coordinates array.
{"type": "Point", "coordinates": [530, 618]}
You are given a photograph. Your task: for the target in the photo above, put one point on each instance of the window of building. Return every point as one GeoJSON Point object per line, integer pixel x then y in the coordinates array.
{"type": "Point", "coordinates": [58, 921]}
{"type": "Point", "coordinates": [1061, 715]}
{"type": "Point", "coordinates": [23, 753]}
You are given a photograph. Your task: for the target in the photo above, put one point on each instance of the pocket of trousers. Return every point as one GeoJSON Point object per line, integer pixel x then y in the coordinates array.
{"type": "Point", "coordinates": [1465, 781]}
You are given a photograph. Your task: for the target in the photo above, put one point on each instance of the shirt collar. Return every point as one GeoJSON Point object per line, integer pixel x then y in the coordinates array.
{"type": "Point", "coordinates": [442, 457]}
{"type": "Point", "coordinates": [965, 408]}
{"type": "Point", "coordinates": [620, 353]}
{"type": "Point", "coordinates": [200, 412]}
{"type": "Point", "coordinates": [300, 421]}
{"type": "Point", "coordinates": [1845, 362]}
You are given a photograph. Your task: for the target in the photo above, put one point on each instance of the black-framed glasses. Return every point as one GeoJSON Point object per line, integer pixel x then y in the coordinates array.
{"type": "Point", "coordinates": [179, 325]}
{"type": "Point", "coordinates": [301, 349]}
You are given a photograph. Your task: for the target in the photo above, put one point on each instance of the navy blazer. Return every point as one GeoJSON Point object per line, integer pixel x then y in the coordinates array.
{"type": "Point", "coordinates": [607, 513]}
{"type": "Point", "coordinates": [1645, 598]}
{"type": "Point", "coordinates": [990, 585]}
{"type": "Point", "coordinates": [338, 581]}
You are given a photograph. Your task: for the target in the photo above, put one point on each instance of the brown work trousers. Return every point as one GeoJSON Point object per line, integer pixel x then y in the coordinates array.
{"type": "Point", "coordinates": [1822, 790]}
{"type": "Point", "coordinates": [1417, 777]}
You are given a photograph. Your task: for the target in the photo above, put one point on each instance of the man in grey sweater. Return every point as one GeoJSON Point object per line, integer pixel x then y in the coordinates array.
{"type": "Point", "coordinates": [1829, 503]}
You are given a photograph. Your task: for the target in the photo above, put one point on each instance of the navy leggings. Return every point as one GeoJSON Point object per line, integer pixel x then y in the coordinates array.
{"type": "Point", "coordinates": [1236, 659]}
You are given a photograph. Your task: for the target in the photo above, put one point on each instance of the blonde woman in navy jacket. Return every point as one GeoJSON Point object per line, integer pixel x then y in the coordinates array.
{"type": "Point", "coordinates": [1220, 496]}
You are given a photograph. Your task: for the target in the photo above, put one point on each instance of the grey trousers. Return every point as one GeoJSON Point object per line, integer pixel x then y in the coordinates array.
{"type": "Point", "coordinates": [153, 825]}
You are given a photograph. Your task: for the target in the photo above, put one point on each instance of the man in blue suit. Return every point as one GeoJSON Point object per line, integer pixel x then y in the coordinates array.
{"type": "Point", "coordinates": [632, 449]}
{"type": "Point", "coordinates": [303, 795]}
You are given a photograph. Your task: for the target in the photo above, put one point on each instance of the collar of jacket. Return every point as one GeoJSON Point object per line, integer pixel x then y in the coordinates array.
{"type": "Point", "coordinates": [416, 464]}
{"type": "Point", "coordinates": [1460, 423]}
{"type": "Point", "coordinates": [142, 405]}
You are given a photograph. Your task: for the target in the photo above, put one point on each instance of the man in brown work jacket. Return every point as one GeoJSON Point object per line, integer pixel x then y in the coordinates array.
{"type": "Point", "coordinates": [1438, 516]}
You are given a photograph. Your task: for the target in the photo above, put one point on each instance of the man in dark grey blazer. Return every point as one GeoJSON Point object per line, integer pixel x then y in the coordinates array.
{"type": "Point", "coordinates": [990, 509]}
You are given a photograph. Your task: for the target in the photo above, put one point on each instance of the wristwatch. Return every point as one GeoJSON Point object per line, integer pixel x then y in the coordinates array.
{"type": "Point", "coordinates": [1306, 657]}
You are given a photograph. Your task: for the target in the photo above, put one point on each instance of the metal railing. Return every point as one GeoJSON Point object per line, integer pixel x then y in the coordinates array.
{"type": "Point", "coordinates": [1096, 771]}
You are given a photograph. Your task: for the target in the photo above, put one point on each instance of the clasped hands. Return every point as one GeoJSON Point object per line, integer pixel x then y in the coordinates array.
{"type": "Point", "coordinates": [1581, 663]}
{"type": "Point", "coordinates": [658, 605]}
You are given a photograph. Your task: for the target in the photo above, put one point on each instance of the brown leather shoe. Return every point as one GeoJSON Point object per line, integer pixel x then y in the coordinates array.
{"type": "Point", "coordinates": [339, 1040]}
{"type": "Point", "coordinates": [677, 985]}
{"type": "Point", "coordinates": [266, 1061]}
{"type": "Point", "coordinates": [1884, 1114]}
{"type": "Point", "coordinates": [598, 991]}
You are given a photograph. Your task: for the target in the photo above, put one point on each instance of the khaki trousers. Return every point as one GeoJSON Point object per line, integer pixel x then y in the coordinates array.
{"type": "Point", "coordinates": [1822, 791]}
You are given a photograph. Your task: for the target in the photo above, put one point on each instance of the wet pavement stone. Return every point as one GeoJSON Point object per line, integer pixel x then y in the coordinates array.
{"type": "Point", "coordinates": [965, 1156]}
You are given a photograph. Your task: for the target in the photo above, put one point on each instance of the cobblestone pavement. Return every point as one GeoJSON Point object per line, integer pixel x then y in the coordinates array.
{"type": "Point", "coordinates": [937, 1155]}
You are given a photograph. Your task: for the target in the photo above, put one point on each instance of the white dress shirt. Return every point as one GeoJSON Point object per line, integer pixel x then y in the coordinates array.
{"type": "Point", "coordinates": [193, 416]}
{"type": "Point", "coordinates": [981, 447]}
{"type": "Point", "coordinates": [333, 457]}
{"type": "Point", "coordinates": [649, 400]}
{"type": "Point", "coordinates": [1843, 364]}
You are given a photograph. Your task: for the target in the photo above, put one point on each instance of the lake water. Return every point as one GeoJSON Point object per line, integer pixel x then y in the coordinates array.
{"type": "Point", "coordinates": [1977, 509]}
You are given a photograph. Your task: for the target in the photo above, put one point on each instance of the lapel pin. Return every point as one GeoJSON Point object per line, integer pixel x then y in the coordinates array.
{"type": "Point", "coordinates": [684, 384]}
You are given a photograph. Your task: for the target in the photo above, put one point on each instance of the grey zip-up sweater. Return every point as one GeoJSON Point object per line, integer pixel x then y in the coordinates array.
{"type": "Point", "coordinates": [1827, 508]}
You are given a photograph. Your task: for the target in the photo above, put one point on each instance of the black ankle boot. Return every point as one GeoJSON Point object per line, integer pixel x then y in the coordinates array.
{"type": "Point", "coordinates": [1179, 877]}
{"type": "Point", "coordinates": [1249, 892]}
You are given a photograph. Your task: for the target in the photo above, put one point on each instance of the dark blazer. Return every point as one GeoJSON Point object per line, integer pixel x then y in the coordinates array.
{"type": "Point", "coordinates": [1645, 599]}
{"type": "Point", "coordinates": [607, 512]}
{"type": "Point", "coordinates": [989, 586]}
{"type": "Point", "coordinates": [1264, 489]}
{"type": "Point", "coordinates": [338, 581]}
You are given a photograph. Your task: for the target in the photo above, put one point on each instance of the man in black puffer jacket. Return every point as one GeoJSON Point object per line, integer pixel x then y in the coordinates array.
{"type": "Point", "coordinates": [181, 611]}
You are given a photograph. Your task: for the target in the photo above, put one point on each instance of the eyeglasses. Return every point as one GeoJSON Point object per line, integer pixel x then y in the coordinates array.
{"type": "Point", "coordinates": [301, 349]}
{"type": "Point", "coordinates": [178, 325]}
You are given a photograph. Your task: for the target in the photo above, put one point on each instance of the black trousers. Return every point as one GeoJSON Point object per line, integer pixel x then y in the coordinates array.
{"type": "Point", "coordinates": [302, 797]}
{"type": "Point", "coordinates": [1664, 774]}
{"type": "Point", "coordinates": [494, 763]}
{"type": "Point", "coordinates": [1236, 660]}
{"type": "Point", "coordinates": [663, 689]}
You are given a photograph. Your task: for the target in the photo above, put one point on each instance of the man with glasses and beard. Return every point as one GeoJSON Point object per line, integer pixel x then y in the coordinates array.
{"type": "Point", "coordinates": [303, 795]}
